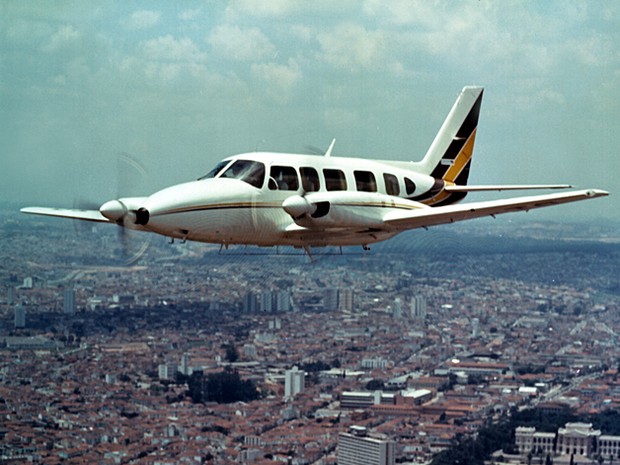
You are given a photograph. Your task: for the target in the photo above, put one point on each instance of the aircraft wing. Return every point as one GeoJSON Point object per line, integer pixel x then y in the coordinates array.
{"type": "Point", "coordinates": [87, 215]}
{"type": "Point", "coordinates": [451, 213]}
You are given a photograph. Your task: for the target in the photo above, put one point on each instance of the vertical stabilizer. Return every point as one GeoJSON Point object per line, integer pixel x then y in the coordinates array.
{"type": "Point", "coordinates": [448, 159]}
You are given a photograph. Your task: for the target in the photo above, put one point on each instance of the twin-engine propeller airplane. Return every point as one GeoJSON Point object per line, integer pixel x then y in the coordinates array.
{"type": "Point", "coordinates": [271, 199]}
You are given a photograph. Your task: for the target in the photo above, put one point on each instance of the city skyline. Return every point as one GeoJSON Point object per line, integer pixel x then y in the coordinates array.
{"type": "Point", "coordinates": [419, 345]}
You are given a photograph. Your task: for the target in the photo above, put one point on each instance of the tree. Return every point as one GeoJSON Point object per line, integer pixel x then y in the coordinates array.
{"type": "Point", "coordinates": [224, 388]}
{"type": "Point", "coordinates": [231, 354]}
{"type": "Point", "coordinates": [375, 385]}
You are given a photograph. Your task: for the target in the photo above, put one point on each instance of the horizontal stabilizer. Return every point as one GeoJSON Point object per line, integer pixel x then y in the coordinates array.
{"type": "Point", "coordinates": [451, 213]}
{"type": "Point", "coordinates": [86, 215]}
{"type": "Point", "coordinates": [514, 187]}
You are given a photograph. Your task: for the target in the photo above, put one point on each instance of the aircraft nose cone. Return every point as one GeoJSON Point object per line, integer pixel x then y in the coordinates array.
{"type": "Point", "coordinates": [113, 210]}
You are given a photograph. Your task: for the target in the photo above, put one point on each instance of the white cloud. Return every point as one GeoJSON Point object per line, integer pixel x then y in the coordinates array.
{"type": "Point", "coordinates": [264, 9]}
{"type": "Point", "coordinates": [279, 79]}
{"type": "Point", "coordinates": [167, 48]}
{"type": "Point", "coordinates": [63, 37]}
{"type": "Point", "coordinates": [143, 19]}
{"type": "Point", "coordinates": [241, 44]}
{"type": "Point", "coordinates": [352, 46]}
{"type": "Point", "coordinates": [188, 15]}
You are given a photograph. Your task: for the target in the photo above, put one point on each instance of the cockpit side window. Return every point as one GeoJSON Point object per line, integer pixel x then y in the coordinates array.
{"type": "Point", "coordinates": [409, 186]}
{"type": "Point", "coordinates": [391, 184]}
{"type": "Point", "coordinates": [365, 181]}
{"type": "Point", "coordinates": [283, 178]}
{"type": "Point", "coordinates": [214, 172]}
{"type": "Point", "coordinates": [309, 179]}
{"type": "Point", "coordinates": [252, 172]}
{"type": "Point", "coordinates": [335, 180]}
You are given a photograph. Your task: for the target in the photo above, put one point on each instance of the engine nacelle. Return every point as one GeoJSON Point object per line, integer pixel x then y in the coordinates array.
{"type": "Point", "coordinates": [344, 209]}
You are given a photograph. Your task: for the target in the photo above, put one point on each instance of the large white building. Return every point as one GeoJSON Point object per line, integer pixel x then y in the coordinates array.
{"type": "Point", "coordinates": [357, 448]}
{"type": "Point", "coordinates": [294, 382]}
{"type": "Point", "coordinates": [578, 439]}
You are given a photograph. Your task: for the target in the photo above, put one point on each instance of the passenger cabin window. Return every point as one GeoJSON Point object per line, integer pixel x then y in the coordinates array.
{"type": "Point", "coordinates": [283, 178]}
{"type": "Point", "coordinates": [252, 172]}
{"type": "Point", "coordinates": [409, 186]}
{"type": "Point", "coordinates": [365, 181]}
{"type": "Point", "coordinates": [335, 180]}
{"type": "Point", "coordinates": [391, 184]}
{"type": "Point", "coordinates": [309, 179]}
{"type": "Point", "coordinates": [214, 172]}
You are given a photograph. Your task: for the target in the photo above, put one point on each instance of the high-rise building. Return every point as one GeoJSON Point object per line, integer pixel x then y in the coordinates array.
{"type": "Point", "coordinates": [250, 303]}
{"type": "Point", "coordinates": [475, 327]}
{"type": "Point", "coordinates": [184, 368]}
{"type": "Point", "coordinates": [266, 301]}
{"type": "Point", "coordinates": [20, 317]}
{"type": "Point", "coordinates": [283, 301]}
{"type": "Point", "coordinates": [397, 309]}
{"type": "Point", "coordinates": [167, 370]}
{"type": "Point", "coordinates": [68, 307]}
{"type": "Point", "coordinates": [276, 323]}
{"type": "Point", "coordinates": [11, 295]}
{"type": "Point", "coordinates": [294, 382]}
{"type": "Point", "coordinates": [357, 448]}
{"type": "Point", "coordinates": [330, 301]}
{"type": "Point", "coordinates": [345, 300]}
{"type": "Point", "coordinates": [418, 307]}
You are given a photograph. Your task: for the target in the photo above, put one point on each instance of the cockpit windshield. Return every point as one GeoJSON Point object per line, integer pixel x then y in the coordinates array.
{"type": "Point", "coordinates": [252, 172]}
{"type": "Point", "coordinates": [214, 172]}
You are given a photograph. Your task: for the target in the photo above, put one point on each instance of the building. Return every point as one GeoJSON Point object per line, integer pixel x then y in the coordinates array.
{"type": "Point", "coordinates": [20, 317]}
{"type": "Point", "coordinates": [345, 300]}
{"type": "Point", "coordinates": [609, 446]}
{"type": "Point", "coordinates": [167, 371]}
{"type": "Point", "coordinates": [294, 382]}
{"type": "Point", "coordinates": [366, 399]}
{"type": "Point", "coordinates": [475, 327]}
{"type": "Point", "coordinates": [266, 302]}
{"type": "Point", "coordinates": [11, 295]}
{"type": "Point", "coordinates": [68, 307]}
{"type": "Point", "coordinates": [250, 303]}
{"type": "Point", "coordinates": [577, 439]}
{"type": "Point", "coordinates": [374, 363]}
{"type": "Point", "coordinates": [283, 301]}
{"type": "Point", "coordinates": [184, 368]}
{"type": "Point", "coordinates": [330, 300]}
{"type": "Point", "coordinates": [418, 307]}
{"type": "Point", "coordinates": [357, 448]}
{"type": "Point", "coordinates": [397, 309]}
{"type": "Point", "coordinates": [527, 440]}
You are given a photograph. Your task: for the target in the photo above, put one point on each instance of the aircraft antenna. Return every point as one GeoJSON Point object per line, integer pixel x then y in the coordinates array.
{"type": "Point", "coordinates": [329, 150]}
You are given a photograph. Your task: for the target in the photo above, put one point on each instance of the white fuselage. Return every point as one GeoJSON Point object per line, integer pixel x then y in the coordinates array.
{"type": "Point", "coordinates": [226, 209]}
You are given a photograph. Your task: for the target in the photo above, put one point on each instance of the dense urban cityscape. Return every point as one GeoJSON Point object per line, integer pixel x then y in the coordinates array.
{"type": "Point", "coordinates": [399, 352]}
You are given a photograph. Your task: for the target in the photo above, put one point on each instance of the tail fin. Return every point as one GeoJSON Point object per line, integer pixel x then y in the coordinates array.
{"type": "Point", "coordinates": [449, 157]}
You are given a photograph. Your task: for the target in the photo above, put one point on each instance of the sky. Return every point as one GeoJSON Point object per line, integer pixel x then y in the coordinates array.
{"type": "Point", "coordinates": [177, 86]}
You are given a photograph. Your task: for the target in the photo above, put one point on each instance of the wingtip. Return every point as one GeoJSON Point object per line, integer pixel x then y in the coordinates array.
{"type": "Point", "coordinates": [596, 193]}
